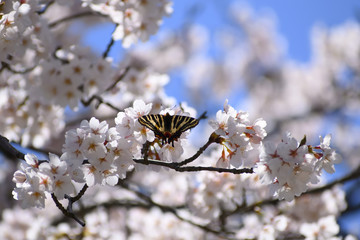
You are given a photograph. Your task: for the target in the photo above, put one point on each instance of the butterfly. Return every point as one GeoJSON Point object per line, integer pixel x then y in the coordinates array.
{"type": "Point", "coordinates": [167, 127]}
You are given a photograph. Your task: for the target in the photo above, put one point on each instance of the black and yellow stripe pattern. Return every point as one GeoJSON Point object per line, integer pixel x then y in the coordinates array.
{"type": "Point", "coordinates": [168, 128]}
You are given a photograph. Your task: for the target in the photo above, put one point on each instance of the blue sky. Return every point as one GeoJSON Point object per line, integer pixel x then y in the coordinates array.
{"type": "Point", "coordinates": [295, 19]}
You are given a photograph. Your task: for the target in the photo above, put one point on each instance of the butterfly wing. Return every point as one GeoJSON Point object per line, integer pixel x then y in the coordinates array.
{"type": "Point", "coordinates": [168, 127]}
{"type": "Point", "coordinates": [182, 123]}
{"type": "Point", "coordinates": [154, 122]}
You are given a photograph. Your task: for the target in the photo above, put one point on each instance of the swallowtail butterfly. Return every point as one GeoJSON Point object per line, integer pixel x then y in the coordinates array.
{"type": "Point", "coordinates": [168, 128]}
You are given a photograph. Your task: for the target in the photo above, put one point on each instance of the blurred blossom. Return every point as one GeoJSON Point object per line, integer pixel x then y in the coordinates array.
{"type": "Point", "coordinates": [136, 20]}
{"type": "Point", "coordinates": [46, 74]}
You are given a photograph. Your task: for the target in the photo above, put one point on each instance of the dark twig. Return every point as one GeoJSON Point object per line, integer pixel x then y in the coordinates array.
{"type": "Point", "coordinates": [202, 116]}
{"type": "Point", "coordinates": [165, 208]}
{"type": "Point", "coordinates": [67, 213]}
{"type": "Point", "coordinates": [108, 205]}
{"type": "Point", "coordinates": [8, 67]}
{"type": "Point", "coordinates": [77, 15]}
{"type": "Point", "coordinates": [100, 101]}
{"type": "Point", "coordinates": [214, 138]}
{"type": "Point", "coordinates": [351, 176]}
{"type": "Point", "coordinates": [199, 152]}
{"type": "Point", "coordinates": [71, 200]}
{"type": "Point", "coordinates": [144, 150]}
{"type": "Point", "coordinates": [7, 149]}
{"type": "Point", "coordinates": [11, 152]}
{"type": "Point", "coordinates": [121, 77]}
{"type": "Point", "coordinates": [78, 196]}
{"type": "Point", "coordinates": [110, 44]}
{"type": "Point", "coordinates": [214, 169]}
{"type": "Point", "coordinates": [175, 166]}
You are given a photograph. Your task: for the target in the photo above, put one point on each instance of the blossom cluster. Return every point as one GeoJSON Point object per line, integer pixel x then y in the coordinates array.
{"type": "Point", "coordinates": [94, 154]}
{"type": "Point", "coordinates": [106, 153]}
{"type": "Point", "coordinates": [127, 125]}
{"type": "Point", "coordinates": [70, 77]}
{"type": "Point", "coordinates": [212, 195]}
{"type": "Point", "coordinates": [146, 84]}
{"type": "Point", "coordinates": [24, 118]}
{"type": "Point", "coordinates": [42, 74]}
{"type": "Point", "coordinates": [34, 179]}
{"type": "Point", "coordinates": [136, 20]}
{"type": "Point", "coordinates": [33, 104]}
{"type": "Point", "coordinates": [100, 224]}
{"type": "Point", "coordinates": [24, 34]}
{"type": "Point", "coordinates": [240, 136]}
{"type": "Point", "coordinates": [39, 79]}
{"type": "Point", "coordinates": [290, 167]}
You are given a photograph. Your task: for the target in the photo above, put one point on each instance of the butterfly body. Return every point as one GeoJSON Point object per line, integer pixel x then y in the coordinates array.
{"type": "Point", "coordinates": [167, 127]}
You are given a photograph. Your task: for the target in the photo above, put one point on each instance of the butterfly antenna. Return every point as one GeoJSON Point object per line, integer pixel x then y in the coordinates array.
{"type": "Point", "coordinates": [202, 116]}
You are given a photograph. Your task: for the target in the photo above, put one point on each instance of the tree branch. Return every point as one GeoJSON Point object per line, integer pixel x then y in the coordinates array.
{"type": "Point", "coordinates": [100, 99]}
{"type": "Point", "coordinates": [175, 166]}
{"type": "Point", "coordinates": [170, 209]}
{"type": "Point", "coordinates": [110, 44]}
{"type": "Point", "coordinates": [77, 15]}
{"type": "Point", "coordinates": [5, 65]}
{"type": "Point", "coordinates": [352, 175]}
{"type": "Point", "coordinates": [78, 196]}
{"type": "Point", "coordinates": [213, 138]}
{"type": "Point", "coordinates": [121, 77]}
{"type": "Point", "coordinates": [8, 150]}
{"type": "Point", "coordinates": [66, 212]}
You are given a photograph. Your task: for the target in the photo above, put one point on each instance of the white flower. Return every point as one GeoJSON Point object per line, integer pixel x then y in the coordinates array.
{"type": "Point", "coordinates": [223, 161]}
{"type": "Point", "coordinates": [135, 19]}
{"type": "Point", "coordinates": [62, 185]}
{"type": "Point", "coordinates": [143, 134]}
{"type": "Point", "coordinates": [324, 229]}
{"type": "Point", "coordinates": [139, 109]}
{"type": "Point", "coordinates": [98, 175]}
{"type": "Point", "coordinates": [290, 151]}
{"type": "Point", "coordinates": [112, 135]}
{"type": "Point", "coordinates": [241, 138]}
{"type": "Point", "coordinates": [55, 166]}
{"type": "Point", "coordinates": [103, 162]}
{"type": "Point", "coordinates": [330, 157]}
{"type": "Point", "coordinates": [32, 195]}
{"type": "Point", "coordinates": [122, 156]}
{"type": "Point", "coordinates": [124, 125]}
{"type": "Point", "coordinates": [257, 132]}
{"type": "Point", "coordinates": [93, 147]}
{"type": "Point", "coordinates": [98, 77]}
{"type": "Point", "coordinates": [19, 177]}
{"type": "Point", "coordinates": [221, 123]}
{"type": "Point", "coordinates": [267, 233]}
{"type": "Point", "coordinates": [288, 167]}
{"type": "Point", "coordinates": [95, 127]}
{"type": "Point", "coordinates": [169, 153]}
{"type": "Point", "coordinates": [73, 141]}
{"type": "Point", "coordinates": [32, 160]}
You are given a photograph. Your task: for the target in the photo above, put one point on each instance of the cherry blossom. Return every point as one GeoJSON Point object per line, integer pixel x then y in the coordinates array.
{"type": "Point", "coordinates": [244, 174]}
